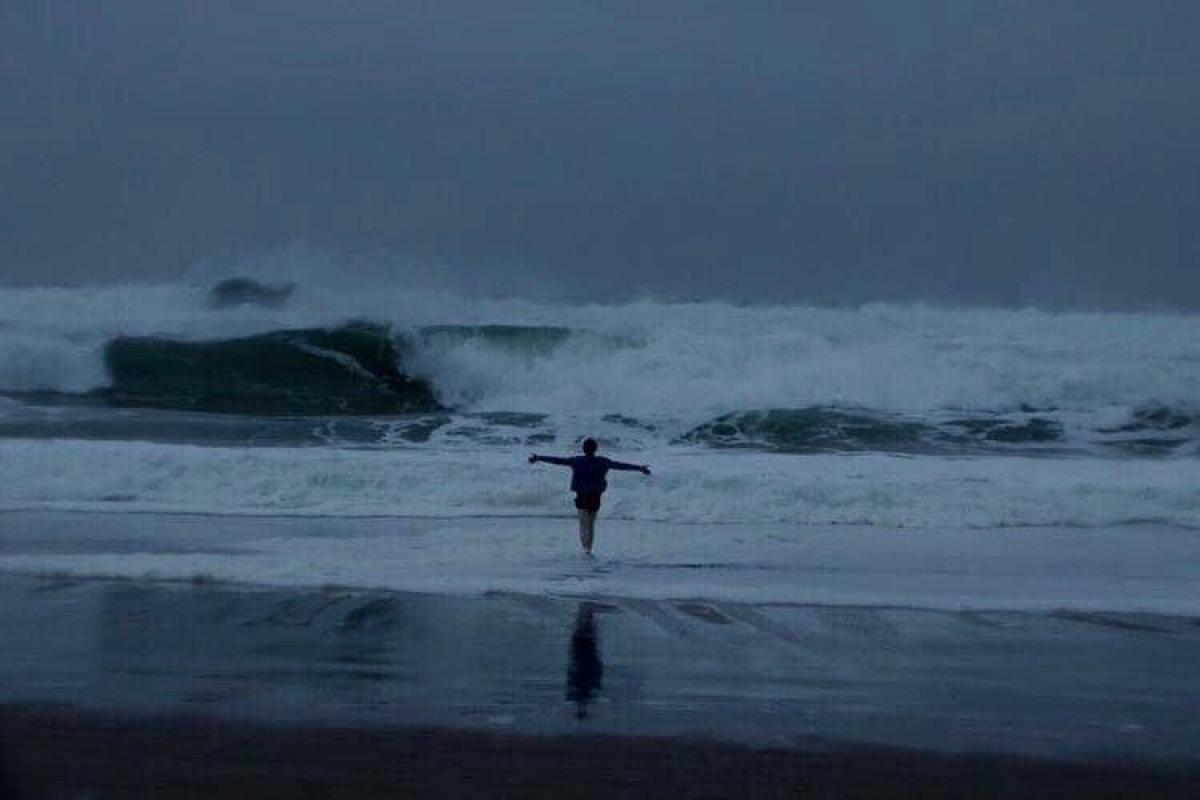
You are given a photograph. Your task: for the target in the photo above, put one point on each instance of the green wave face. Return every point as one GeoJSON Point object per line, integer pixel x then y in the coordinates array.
{"type": "Point", "coordinates": [810, 430]}
{"type": "Point", "coordinates": [823, 429]}
{"type": "Point", "coordinates": [353, 369]}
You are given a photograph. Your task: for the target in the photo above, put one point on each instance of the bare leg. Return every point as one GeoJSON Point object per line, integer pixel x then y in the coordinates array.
{"type": "Point", "coordinates": [587, 530]}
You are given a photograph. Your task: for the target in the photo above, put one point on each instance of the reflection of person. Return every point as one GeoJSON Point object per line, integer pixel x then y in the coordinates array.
{"type": "Point", "coordinates": [587, 482]}
{"type": "Point", "coordinates": [584, 668]}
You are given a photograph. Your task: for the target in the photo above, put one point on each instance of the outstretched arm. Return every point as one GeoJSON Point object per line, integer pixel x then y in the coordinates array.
{"type": "Point", "coordinates": [562, 462]}
{"type": "Point", "coordinates": [621, 465]}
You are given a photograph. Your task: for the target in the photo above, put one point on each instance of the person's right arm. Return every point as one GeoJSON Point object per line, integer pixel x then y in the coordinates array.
{"type": "Point", "coordinates": [562, 462]}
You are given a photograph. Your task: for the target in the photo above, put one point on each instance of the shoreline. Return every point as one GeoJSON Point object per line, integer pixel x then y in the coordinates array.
{"type": "Point", "coordinates": [1116, 617]}
{"type": "Point", "coordinates": [1145, 569]}
{"type": "Point", "coordinates": [181, 686]}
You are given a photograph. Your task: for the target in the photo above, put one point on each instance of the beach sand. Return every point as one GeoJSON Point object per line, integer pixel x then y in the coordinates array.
{"type": "Point", "coordinates": [56, 753]}
{"type": "Point", "coordinates": [142, 689]}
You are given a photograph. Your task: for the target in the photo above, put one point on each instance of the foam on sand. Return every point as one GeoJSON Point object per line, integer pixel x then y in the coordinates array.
{"type": "Point", "coordinates": [1126, 569]}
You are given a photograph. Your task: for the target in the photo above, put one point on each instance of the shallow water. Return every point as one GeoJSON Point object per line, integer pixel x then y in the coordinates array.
{"type": "Point", "coordinates": [1075, 686]}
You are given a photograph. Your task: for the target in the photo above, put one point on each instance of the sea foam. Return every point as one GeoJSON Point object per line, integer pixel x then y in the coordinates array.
{"type": "Point", "coordinates": [688, 486]}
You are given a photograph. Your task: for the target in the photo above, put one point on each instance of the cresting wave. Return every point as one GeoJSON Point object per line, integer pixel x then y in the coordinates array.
{"type": "Point", "coordinates": [365, 369]}
{"type": "Point", "coordinates": [785, 379]}
{"type": "Point", "coordinates": [352, 369]}
{"type": "Point", "coordinates": [349, 370]}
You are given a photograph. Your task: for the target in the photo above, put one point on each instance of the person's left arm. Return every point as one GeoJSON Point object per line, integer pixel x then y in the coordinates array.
{"type": "Point", "coordinates": [621, 465]}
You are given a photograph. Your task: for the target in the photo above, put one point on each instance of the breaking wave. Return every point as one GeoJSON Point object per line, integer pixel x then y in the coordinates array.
{"type": "Point", "coordinates": [438, 368]}
{"type": "Point", "coordinates": [349, 370]}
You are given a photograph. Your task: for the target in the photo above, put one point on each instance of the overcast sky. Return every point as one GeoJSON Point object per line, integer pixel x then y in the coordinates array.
{"type": "Point", "coordinates": [1021, 152]}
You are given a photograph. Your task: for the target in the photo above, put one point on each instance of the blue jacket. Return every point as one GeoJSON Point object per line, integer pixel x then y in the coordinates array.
{"type": "Point", "coordinates": [587, 472]}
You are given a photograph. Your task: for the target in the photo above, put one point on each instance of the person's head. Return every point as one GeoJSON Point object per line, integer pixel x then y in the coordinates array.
{"type": "Point", "coordinates": [589, 447]}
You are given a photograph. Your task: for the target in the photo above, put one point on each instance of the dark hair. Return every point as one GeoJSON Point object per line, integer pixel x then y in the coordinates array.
{"type": "Point", "coordinates": [589, 446]}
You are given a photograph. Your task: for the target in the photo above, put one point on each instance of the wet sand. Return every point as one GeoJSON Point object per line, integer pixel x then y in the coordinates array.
{"type": "Point", "coordinates": [55, 753]}
{"type": "Point", "coordinates": [140, 689]}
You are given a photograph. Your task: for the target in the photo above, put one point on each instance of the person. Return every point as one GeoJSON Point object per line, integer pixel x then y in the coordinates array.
{"type": "Point", "coordinates": [587, 482]}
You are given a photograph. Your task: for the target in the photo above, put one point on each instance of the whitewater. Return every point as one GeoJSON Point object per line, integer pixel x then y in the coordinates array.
{"type": "Point", "coordinates": [685, 362]}
{"type": "Point", "coordinates": [770, 429]}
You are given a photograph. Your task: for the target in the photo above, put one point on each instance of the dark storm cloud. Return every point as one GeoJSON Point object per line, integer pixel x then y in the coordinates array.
{"type": "Point", "coordinates": [969, 152]}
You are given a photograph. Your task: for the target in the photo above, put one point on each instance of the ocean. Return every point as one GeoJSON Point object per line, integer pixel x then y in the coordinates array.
{"type": "Point", "coordinates": [765, 426]}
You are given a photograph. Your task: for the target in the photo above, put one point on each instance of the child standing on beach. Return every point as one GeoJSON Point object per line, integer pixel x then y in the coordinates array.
{"type": "Point", "coordinates": [588, 482]}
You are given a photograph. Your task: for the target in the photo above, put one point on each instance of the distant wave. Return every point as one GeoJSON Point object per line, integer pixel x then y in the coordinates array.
{"type": "Point", "coordinates": [807, 431]}
{"type": "Point", "coordinates": [1148, 430]}
{"type": "Point", "coordinates": [812, 430]}
{"type": "Point", "coordinates": [234, 292]}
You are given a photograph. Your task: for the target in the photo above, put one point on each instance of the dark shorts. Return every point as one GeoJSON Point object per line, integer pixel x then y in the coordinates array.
{"type": "Point", "coordinates": [587, 501]}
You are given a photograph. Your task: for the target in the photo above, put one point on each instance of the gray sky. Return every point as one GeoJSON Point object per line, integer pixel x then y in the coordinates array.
{"type": "Point", "coordinates": [1027, 151]}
